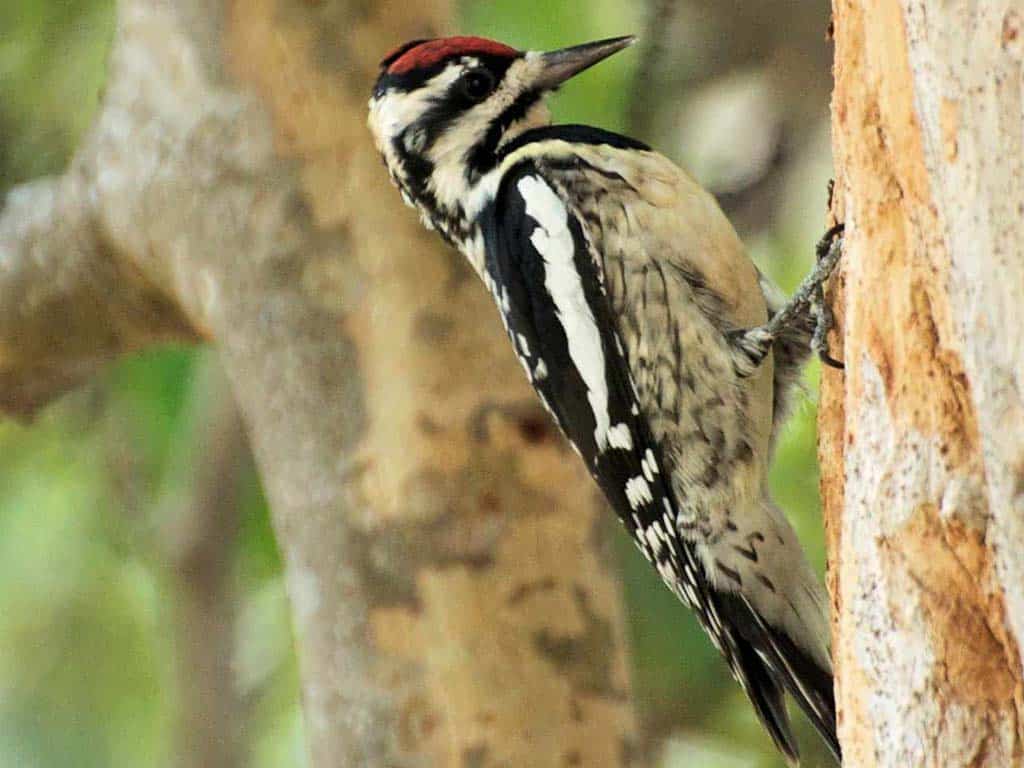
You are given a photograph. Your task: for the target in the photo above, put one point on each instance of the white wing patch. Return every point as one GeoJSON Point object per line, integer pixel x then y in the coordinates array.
{"type": "Point", "coordinates": [638, 492]}
{"type": "Point", "coordinates": [649, 465]}
{"type": "Point", "coordinates": [619, 436]}
{"type": "Point", "coordinates": [524, 345]}
{"type": "Point", "coordinates": [554, 243]}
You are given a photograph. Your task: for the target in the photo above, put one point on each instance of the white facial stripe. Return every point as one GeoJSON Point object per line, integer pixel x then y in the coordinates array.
{"type": "Point", "coordinates": [396, 110]}
{"type": "Point", "coordinates": [554, 243]}
{"type": "Point", "coordinates": [448, 156]}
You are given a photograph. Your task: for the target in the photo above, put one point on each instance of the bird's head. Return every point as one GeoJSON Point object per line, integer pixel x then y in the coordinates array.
{"type": "Point", "coordinates": [443, 109]}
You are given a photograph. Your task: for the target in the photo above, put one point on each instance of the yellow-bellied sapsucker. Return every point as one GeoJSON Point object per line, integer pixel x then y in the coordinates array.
{"type": "Point", "coordinates": [662, 353]}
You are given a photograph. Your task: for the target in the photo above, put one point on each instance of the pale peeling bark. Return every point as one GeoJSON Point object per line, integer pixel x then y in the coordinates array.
{"type": "Point", "coordinates": [923, 438]}
{"type": "Point", "coordinates": [453, 605]}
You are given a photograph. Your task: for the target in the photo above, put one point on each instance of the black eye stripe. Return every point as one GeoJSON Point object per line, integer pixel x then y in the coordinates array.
{"type": "Point", "coordinates": [446, 108]}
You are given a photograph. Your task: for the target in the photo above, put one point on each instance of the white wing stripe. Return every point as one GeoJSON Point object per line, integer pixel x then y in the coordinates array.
{"type": "Point", "coordinates": [554, 243]}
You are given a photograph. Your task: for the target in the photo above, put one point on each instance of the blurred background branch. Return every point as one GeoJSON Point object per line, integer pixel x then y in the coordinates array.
{"type": "Point", "coordinates": [453, 579]}
{"type": "Point", "coordinates": [198, 515]}
{"type": "Point", "coordinates": [647, 102]}
{"type": "Point", "coordinates": [68, 304]}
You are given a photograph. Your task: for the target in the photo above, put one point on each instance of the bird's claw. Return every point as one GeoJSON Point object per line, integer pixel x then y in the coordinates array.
{"type": "Point", "coordinates": [829, 247]}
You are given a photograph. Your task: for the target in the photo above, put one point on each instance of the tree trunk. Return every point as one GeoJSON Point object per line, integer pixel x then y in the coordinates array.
{"type": "Point", "coordinates": [452, 598]}
{"type": "Point", "coordinates": [922, 438]}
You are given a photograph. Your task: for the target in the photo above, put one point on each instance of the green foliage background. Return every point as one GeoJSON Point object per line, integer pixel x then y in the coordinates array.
{"type": "Point", "coordinates": [86, 602]}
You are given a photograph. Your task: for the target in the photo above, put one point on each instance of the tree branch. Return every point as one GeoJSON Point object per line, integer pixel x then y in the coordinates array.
{"type": "Point", "coordinates": [453, 603]}
{"type": "Point", "coordinates": [67, 305]}
{"type": "Point", "coordinates": [646, 99]}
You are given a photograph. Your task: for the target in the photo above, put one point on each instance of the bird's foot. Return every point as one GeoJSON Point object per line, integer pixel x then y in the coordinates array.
{"type": "Point", "coordinates": [751, 346]}
{"type": "Point", "coordinates": [829, 250]}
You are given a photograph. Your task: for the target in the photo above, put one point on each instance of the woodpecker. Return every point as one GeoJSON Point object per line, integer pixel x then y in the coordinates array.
{"type": "Point", "coordinates": [662, 353]}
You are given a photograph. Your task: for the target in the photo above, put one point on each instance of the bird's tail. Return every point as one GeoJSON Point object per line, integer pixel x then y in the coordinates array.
{"type": "Point", "coordinates": [767, 662]}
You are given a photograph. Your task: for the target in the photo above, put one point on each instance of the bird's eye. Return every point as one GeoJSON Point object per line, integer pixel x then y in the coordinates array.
{"type": "Point", "coordinates": [478, 84]}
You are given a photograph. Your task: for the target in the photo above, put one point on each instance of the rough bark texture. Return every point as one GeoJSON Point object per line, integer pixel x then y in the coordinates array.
{"type": "Point", "coordinates": [452, 603]}
{"type": "Point", "coordinates": [923, 439]}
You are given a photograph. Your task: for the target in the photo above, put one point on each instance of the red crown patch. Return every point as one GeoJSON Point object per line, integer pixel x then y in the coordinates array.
{"type": "Point", "coordinates": [424, 54]}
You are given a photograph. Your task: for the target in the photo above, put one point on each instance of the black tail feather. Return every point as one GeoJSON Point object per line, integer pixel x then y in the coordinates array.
{"type": "Point", "coordinates": [810, 686]}
{"type": "Point", "coordinates": [766, 662]}
{"type": "Point", "coordinates": [766, 695]}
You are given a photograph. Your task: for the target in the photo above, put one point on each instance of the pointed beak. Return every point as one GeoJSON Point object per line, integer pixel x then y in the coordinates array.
{"type": "Point", "coordinates": [563, 64]}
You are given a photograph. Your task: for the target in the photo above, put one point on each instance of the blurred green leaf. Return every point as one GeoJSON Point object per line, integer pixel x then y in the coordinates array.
{"type": "Point", "coordinates": [52, 68]}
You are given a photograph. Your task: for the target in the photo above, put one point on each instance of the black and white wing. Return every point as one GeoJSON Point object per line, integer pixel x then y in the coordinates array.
{"type": "Point", "coordinates": [551, 298]}
{"type": "Point", "coordinates": [550, 290]}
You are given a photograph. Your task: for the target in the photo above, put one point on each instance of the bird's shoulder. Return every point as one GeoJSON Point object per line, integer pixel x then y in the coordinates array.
{"type": "Point", "coordinates": [637, 205]}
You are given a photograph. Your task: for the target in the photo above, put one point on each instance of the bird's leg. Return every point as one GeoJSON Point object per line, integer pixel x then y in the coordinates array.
{"type": "Point", "coordinates": [753, 345]}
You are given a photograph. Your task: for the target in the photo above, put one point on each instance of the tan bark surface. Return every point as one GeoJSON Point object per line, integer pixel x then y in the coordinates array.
{"type": "Point", "coordinates": [922, 443]}
{"type": "Point", "coordinates": [453, 601]}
